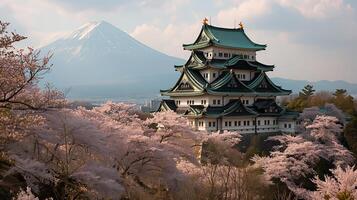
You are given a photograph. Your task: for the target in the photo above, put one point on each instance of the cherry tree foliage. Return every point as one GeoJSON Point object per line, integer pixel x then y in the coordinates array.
{"type": "Point", "coordinates": [309, 114]}
{"type": "Point", "coordinates": [26, 195]}
{"type": "Point", "coordinates": [110, 151]}
{"type": "Point", "coordinates": [20, 96]}
{"type": "Point", "coordinates": [341, 185]}
{"type": "Point", "coordinates": [296, 156]}
{"type": "Point", "coordinates": [325, 131]}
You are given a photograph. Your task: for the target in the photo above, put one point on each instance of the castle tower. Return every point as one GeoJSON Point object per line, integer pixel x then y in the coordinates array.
{"type": "Point", "coordinates": [223, 87]}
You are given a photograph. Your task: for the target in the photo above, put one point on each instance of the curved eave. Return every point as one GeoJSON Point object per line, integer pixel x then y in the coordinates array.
{"type": "Point", "coordinates": [195, 46]}
{"type": "Point", "coordinates": [183, 94]}
{"type": "Point", "coordinates": [239, 48]}
{"type": "Point", "coordinates": [262, 46]}
{"type": "Point", "coordinates": [259, 79]}
{"type": "Point", "coordinates": [216, 41]}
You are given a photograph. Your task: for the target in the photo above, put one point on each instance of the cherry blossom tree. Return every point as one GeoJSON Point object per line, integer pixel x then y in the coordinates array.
{"type": "Point", "coordinates": [21, 99]}
{"type": "Point", "coordinates": [342, 185]}
{"type": "Point", "coordinates": [110, 151]}
{"type": "Point", "coordinates": [309, 114]}
{"type": "Point", "coordinates": [296, 156]}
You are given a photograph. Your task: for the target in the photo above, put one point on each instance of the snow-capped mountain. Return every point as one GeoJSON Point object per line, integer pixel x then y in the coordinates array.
{"type": "Point", "coordinates": [101, 60]}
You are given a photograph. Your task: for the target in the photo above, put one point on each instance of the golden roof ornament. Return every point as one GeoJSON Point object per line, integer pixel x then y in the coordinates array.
{"type": "Point", "coordinates": [205, 21]}
{"type": "Point", "coordinates": [241, 25]}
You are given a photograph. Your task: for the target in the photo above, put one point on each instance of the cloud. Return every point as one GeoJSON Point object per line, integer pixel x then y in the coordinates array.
{"type": "Point", "coordinates": [243, 11]}
{"type": "Point", "coordinates": [103, 5]}
{"type": "Point", "coordinates": [168, 39]}
{"type": "Point", "coordinates": [112, 5]}
{"type": "Point", "coordinates": [318, 9]}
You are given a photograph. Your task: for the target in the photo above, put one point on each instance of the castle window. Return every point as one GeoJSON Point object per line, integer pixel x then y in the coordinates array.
{"type": "Point", "coordinates": [243, 76]}
{"type": "Point", "coordinates": [220, 54]}
{"type": "Point", "coordinates": [225, 123]}
{"type": "Point", "coordinates": [225, 55]}
{"type": "Point", "coordinates": [218, 102]}
{"type": "Point", "coordinates": [248, 123]}
{"type": "Point", "coordinates": [239, 123]}
{"type": "Point", "coordinates": [229, 123]}
{"type": "Point", "coordinates": [258, 122]}
{"type": "Point", "coordinates": [235, 123]}
{"type": "Point", "coordinates": [285, 125]}
{"type": "Point", "coordinates": [289, 125]}
{"type": "Point", "coordinates": [244, 123]}
{"type": "Point", "coordinates": [213, 124]}
{"type": "Point", "coordinates": [245, 56]}
{"type": "Point", "coordinates": [209, 124]}
{"type": "Point", "coordinates": [214, 75]}
{"type": "Point", "coordinates": [214, 101]}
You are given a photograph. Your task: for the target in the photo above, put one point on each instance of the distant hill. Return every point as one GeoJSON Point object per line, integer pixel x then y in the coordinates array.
{"type": "Point", "coordinates": [297, 85]}
{"type": "Point", "coordinates": [99, 61]}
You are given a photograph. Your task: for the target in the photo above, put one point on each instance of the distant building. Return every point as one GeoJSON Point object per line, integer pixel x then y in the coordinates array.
{"type": "Point", "coordinates": [151, 106]}
{"type": "Point", "coordinates": [223, 87]}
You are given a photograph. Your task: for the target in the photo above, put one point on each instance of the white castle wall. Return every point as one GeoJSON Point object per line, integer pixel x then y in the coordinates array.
{"type": "Point", "coordinates": [226, 53]}
{"type": "Point", "coordinates": [243, 125]}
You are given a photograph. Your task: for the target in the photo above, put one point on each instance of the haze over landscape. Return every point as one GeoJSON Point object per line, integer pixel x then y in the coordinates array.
{"type": "Point", "coordinates": [98, 61]}
{"type": "Point", "coordinates": [310, 42]}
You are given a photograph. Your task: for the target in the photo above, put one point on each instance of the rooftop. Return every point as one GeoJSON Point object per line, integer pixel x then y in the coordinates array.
{"type": "Point", "coordinates": [223, 37]}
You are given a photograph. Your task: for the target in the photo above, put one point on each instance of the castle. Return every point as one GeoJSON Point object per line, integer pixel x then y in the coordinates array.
{"type": "Point", "coordinates": [223, 87]}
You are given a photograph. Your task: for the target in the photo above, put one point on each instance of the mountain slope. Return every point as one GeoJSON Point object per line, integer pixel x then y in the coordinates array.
{"type": "Point", "coordinates": [325, 85]}
{"type": "Point", "coordinates": [98, 55]}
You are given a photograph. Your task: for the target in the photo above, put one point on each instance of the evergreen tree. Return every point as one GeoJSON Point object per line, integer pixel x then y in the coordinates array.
{"type": "Point", "coordinates": [307, 92]}
{"type": "Point", "coordinates": [343, 101]}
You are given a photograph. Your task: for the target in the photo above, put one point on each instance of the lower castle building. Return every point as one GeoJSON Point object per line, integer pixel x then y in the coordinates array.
{"type": "Point", "coordinates": [223, 87]}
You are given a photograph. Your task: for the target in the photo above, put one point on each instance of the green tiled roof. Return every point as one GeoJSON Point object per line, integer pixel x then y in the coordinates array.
{"type": "Point", "coordinates": [227, 84]}
{"type": "Point", "coordinates": [223, 37]}
{"type": "Point", "coordinates": [198, 61]}
{"type": "Point", "coordinates": [237, 63]}
{"type": "Point", "coordinates": [233, 108]}
{"type": "Point", "coordinates": [266, 107]}
{"type": "Point", "coordinates": [167, 104]}
{"type": "Point", "coordinates": [262, 84]}
{"type": "Point", "coordinates": [289, 115]}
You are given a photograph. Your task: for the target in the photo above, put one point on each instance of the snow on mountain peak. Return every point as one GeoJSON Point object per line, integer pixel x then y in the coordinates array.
{"type": "Point", "coordinates": [84, 30]}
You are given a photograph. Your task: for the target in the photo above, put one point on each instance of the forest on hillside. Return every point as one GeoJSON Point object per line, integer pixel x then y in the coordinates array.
{"type": "Point", "coordinates": [50, 150]}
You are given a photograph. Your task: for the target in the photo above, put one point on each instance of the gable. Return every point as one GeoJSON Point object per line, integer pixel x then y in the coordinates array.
{"type": "Point", "coordinates": [265, 86]}
{"type": "Point", "coordinates": [203, 38]}
{"type": "Point", "coordinates": [185, 85]}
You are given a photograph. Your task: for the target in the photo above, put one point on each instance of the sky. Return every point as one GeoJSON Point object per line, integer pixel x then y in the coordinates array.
{"type": "Point", "coordinates": [307, 39]}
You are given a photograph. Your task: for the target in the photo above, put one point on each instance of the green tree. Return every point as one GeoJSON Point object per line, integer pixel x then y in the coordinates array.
{"type": "Point", "coordinates": [350, 135]}
{"type": "Point", "coordinates": [307, 92]}
{"type": "Point", "coordinates": [344, 101]}
{"type": "Point", "coordinates": [302, 101]}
